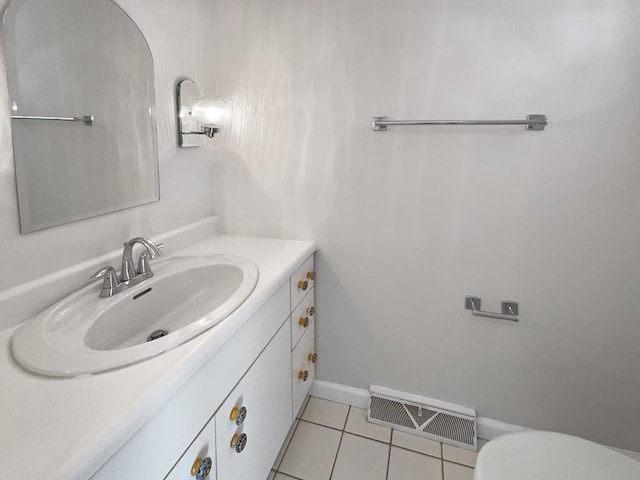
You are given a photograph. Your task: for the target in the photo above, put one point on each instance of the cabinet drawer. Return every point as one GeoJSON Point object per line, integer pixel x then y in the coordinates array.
{"type": "Point", "coordinates": [302, 318]}
{"type": "Point", "coordinates": [303, 368]}
{"type": "Point", "coordinates": [302, 281]}
{"type": "Point", "coordinates": [203, 447]}
{"type": "Point", "coordinates": [265, 394]}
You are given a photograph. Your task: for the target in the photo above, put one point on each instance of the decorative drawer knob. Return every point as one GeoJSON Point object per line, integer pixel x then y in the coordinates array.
{"type": "Point", "coordinates": [303, 322]}
{"type": "Point", "coordinates": [238, 415]}
{"type": "Point", "coordinates": [201, 468]}
{"type": "Point", "coordinates": [311, 311]}
{"type": "Point", "coordinates": [238, 442]}
{"type": "Point", "coordinates": [313, 357]}
{"type": "Point", "coordinates": [311, 275]}
{"type": "Point", "coordinates": [303, 375]}
{"type": "Point", "coordinates": [303, 285]}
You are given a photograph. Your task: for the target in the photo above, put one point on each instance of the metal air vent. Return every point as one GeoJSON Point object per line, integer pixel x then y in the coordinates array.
{"type": "Point", "coordinates": [454, 424]}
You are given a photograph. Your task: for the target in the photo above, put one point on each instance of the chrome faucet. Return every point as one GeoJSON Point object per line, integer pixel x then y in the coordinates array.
{"type": "Point", "coordinates": [128, 271]}
{"type": "Point", "coordinates": [129, 274]}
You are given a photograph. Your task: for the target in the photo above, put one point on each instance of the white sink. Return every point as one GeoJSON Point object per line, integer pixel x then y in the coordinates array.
{"type": "Point", "coordinates": [84, 333]}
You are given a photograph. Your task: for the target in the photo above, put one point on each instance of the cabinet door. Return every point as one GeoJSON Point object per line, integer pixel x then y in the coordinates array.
{"type": "Point", "coordinates": [302, 318]}
{"type": "Point", "coordinates": [303, 367]}
{"type": "Point", "coordinates": [203, 451]}
{"type": "Point", "coordinates": [254, 420]}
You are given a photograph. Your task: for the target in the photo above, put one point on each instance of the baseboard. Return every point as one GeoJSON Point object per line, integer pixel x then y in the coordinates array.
{"type": "Point", "coordinates": [336, 392]}
{"type": "Point", "coordinates": [488, 428]}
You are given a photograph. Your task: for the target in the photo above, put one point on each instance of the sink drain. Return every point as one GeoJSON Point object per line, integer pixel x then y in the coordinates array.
{"type": "Point", "coordinates": [156, 334]}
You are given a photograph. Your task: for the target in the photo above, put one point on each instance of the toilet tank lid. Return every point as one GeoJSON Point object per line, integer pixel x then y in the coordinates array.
{"type": "Point", "coordinates": [545, 455]}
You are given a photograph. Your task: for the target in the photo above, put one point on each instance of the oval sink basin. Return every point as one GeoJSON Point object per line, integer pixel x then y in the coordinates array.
{"type": "Point", "coordinates": [84, 333]}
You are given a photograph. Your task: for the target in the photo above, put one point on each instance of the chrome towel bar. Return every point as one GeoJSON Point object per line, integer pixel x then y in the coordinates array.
{"type": "Point", "coordinates": [87, 119]}
{"type": "Point", "coordinates": [509, 309]}
{"type": "Point", "coordinates": [532, 122]}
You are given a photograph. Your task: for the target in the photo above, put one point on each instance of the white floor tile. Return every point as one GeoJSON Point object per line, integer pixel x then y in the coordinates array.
{"type": "Point", "coordinates": [453, 471]}
{"type": "Point", "coordinates": [311, 452]}
{"type": "Point", "coordinates": [285, 444]}
{"type": "Point", "coordinates": [325, 412]}
{"type": "Point", "coordinates": [416, 443]}
{"type": "Point", "coordinates": [357, 423]}
{"type": "Point", "coordinates": [282, 476]}
{"type": "Point", "coordinates": [459, 455]}
{"type": "Point", "coordinates": [361, 459]}
{"type": "Point", "coordinates": [406, 465]}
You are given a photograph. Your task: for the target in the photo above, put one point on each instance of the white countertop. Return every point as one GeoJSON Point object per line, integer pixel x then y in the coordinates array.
{"type": "Point", "coordinates": [67, 428]}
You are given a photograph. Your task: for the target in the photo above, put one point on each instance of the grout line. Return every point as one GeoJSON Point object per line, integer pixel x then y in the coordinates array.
{"type": "Point", "coordinates": [368, 438]}
{"type": "Point", "coordinates": [415, 451]}
{"type": "Point", "coordinates": [321, 425]}
{"type": "Point", "coordinates": [288, 475]}
{"type": "Point", "coordinates": [339, 443]}
{"type": "Point", "coordinates": [346, 419]}
{"type": "Point", "coordinates": [357, 435]}
{"type": "Point", "coordinates": [389, 460]}
{"type": "Point", "coordinates": [336, 457]}
{"type": "Point", "coordinates": [460, 464]}
{"type": "Point", "coordinates": [277, 469]}
{"type": "Point", "coordinates": [379, 441]}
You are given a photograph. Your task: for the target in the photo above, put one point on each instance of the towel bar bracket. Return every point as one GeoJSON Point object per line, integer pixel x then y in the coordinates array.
{"type": "Point", "coordinates": [509, 309]}
{"type": "Point", "coordinates": [378, 124]}
{"type": "Point", "coordinates": [538, 122]}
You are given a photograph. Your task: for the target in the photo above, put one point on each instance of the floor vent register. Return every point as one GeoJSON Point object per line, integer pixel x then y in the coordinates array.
{"type": "Point", "coordinates": [434, 419]}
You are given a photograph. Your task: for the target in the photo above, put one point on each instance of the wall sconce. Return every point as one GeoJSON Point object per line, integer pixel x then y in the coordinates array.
{"type": "Point", "coordinates": [199, 116]}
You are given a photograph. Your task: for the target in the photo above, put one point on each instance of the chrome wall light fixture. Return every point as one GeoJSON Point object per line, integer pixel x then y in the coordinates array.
{"type": "Point", "coordinates": [198, 116]}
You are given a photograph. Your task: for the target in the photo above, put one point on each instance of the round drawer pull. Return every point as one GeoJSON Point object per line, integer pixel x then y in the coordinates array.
{"type": "Point", "coordinates": [238, 415]}
{"type": "Point", "coordinates": [238, 442]}
{"type": "Point", "coordinates": [303, 375]}
{"type": "Point", "coordinates": [201, 468]}
{"type": "Point", "coordinates": [311, 275]}
{"type": "Point", "coordinates": [303, 285]}
{"type": "Point", "coordinates": [311, 311]}
{"type": "Point", "coordinates": [313, 357]}
{"type": "Point", "coordinates": [303, 322]}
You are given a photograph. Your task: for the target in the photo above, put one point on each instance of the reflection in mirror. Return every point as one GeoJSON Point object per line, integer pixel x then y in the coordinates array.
{"type": "Point", "coordinates": [75, 60]}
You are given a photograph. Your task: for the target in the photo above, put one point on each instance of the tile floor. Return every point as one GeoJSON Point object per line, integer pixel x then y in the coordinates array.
{"type": "Point", "coordinates": [334, 441]}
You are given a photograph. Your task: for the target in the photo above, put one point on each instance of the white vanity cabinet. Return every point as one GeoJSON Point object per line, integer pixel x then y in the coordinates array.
{"type": "Point", "coordinates": [199, 458]}
{"type": "Point", "coordinates": [303, 355]}
{"type": "Point", "coordinates": [237, 409]}
{"type": "Point", "coordinates": [302, 318]}
{"type": "Point", "coordinates": [303, 368]}
{"type": "Point", "coordinates": [255, 418]}
{"type": "Point", "coordinates": [301, 282]}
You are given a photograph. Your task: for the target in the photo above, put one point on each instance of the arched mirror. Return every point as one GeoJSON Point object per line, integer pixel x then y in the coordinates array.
{"type": "Point", "coordinates": [81, 88]}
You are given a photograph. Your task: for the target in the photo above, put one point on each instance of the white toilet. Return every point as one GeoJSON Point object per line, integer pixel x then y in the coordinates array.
{"type": "Point", "coordinates": [535, 455]}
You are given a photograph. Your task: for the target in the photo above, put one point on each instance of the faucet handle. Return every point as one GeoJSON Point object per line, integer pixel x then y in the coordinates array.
{"type": "Point", "coordinates": [152, 249]}
{"type": "Point", "coordinates": [143, 259]}
{"type": "Point", "coordinates": [110, 278]}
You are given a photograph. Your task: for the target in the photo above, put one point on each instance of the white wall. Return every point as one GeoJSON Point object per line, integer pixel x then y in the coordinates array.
{"type": "Point", "coordinates": [411, 220]}
{"type": "Point", "coordinates": [175, 35]}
